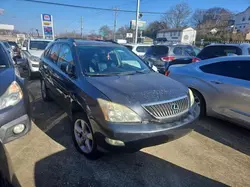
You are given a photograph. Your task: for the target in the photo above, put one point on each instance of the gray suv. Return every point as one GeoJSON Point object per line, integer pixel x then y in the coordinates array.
{"type": "Point", "coordinates": [115, 101]}
{"type": "Point", "coordinates": [161, 55]}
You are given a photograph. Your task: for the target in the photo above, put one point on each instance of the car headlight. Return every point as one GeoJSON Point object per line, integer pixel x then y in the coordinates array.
{"type": "Point", "coordinates": [34, 58]}
{"type": "Point", "coordinates": [114, 112]}
{"type": "Point", "coordinates": [11, 96]}
{"type": "Point", "coordinates": [191, 97]}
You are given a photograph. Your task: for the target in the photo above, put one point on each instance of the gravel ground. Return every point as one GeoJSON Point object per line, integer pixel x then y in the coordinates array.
{"type": "Point", "coordinates": [216, 153]}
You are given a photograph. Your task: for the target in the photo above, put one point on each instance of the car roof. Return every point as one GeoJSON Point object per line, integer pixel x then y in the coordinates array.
{"type": "Point", "coordinates": [81, 42]}
{"type": "Point", "coordinates": [232, 44]}
{"type": "Point", "coordinates": [140, 44]}
{"type": "Point", "coordinates": [221, 59]}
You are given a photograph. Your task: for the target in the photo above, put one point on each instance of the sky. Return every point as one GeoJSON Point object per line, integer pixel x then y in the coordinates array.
{"type": "Point", "coordinates": [26, 16]}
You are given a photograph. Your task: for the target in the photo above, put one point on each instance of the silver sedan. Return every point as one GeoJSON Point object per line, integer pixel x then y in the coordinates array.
{"type": "Point", "coordinates": [221, 86]}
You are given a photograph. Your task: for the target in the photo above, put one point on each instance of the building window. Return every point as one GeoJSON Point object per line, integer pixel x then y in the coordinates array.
{"type": "Point", "coordinates": [249, 18]}
{"type": "Point", "coordinates": [243, 19]}
{"type": "Point", "coordinates": [244, 26]}
{"type": "Point", "coordinates": [179, 33]}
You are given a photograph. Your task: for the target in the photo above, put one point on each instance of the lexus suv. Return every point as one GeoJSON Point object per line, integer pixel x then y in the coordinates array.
{"type": "Point", "coordinates": [115, 101]}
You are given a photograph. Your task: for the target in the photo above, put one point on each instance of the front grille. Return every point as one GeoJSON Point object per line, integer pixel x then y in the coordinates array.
{"type": "Point", "coordinates": [35, 65]}
{"type": "Point", "coordinates": [170, 108]}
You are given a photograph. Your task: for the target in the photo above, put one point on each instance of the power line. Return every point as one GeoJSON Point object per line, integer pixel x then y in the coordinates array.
{"type": "Point", "coordinates": [88, 7]}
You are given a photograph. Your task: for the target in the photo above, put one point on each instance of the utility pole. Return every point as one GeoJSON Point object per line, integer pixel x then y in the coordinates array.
{"type": "Point", "coordinates": [137, 19]}
{"type": "Point", "coordinates": [115, 23]}
{"type": "Point", "coordinates": [81, 26]}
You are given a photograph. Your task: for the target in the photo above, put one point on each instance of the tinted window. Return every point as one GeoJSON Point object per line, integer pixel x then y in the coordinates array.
{"type": "Point", "coordinates": [234, 69]}
{"type": "Point", "coordinates": [4, 62]}
{"type": "Point", "coordinates": [188, 51]}
{"type": "Point", "coordinates": [38, 45]}
{"type": "Point", "coordinates": [218, 51]}
{"type": "Point", "coordinates": [177, 51]}
{"type": "Point", "coordinates": [149, 51]}
{"type": "Point", "coordinates": [65, 57]}
{"type": "Point", "coordinates": [53, 55]}
{"type": "Point", "coordinates": [142, 49]}
{"type": "Point", "coordinates": [159, 50]}
{"type": "Point", "coordinates": [99, 60]}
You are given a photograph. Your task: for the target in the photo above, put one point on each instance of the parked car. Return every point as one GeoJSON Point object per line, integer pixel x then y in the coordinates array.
{"type": "Point", "coordinates": [115, 101]}
{"type": "Point", "coordinates": [31, 51]}
{"type": "Point", "coordinates": [138, 49]}
{"type": "Point", "coordinates": [219, 50]}
{"type": "Point", "coordinates": [220, 86]}
{"type": "Point", "coordinates": [14, 101]}
{"type": "Point", "coordinates": [161, 55]}
{"type": "Point", "coordinates": [16, 50]}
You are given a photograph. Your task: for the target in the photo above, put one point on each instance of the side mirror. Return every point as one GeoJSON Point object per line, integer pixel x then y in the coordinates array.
{"type": "Point", "coordinates": [24, 48]}
{"type": "Point", "coordinates": [70, 69]}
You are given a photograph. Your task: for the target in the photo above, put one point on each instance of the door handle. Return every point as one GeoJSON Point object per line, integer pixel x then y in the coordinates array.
{"type": "Point", "coordinates": [216, 82]}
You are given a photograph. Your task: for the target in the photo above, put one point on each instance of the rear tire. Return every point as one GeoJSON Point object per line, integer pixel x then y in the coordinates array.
{"type": "Point", "coordinates": [83, 137]}
{"type": "Point", "coordinates": [45, 92]}
{"type": "Point", "coordinates": [199, 99]}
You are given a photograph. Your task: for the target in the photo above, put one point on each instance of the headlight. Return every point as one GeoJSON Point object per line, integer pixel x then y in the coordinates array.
{"type": "Point", "coordinates": [191, 97]}
{"type": "Point", "coordinates": [11, 96]}
{"type": "Point", "coordinates": [34, 58]}
{"type": "Point", "coordinates": [114, 112]}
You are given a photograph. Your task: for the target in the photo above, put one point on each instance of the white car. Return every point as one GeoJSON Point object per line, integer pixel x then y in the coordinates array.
{"type": "Point", "coordinates": [32, 50]}
{"type": "Point", "coordinates": [138, 49]}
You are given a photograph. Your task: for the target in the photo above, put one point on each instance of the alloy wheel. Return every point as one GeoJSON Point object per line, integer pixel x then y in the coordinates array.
{"type": "Point", "coordinates": [83, 136]}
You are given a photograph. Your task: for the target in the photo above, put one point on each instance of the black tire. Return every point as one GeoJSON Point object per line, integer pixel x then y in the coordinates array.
{"type": "Point", "coordinates": [201, 102]}
{"type": "Point", "coordinates": [45, 92]}
{"type": "Point", "coordinates": [93, 153]}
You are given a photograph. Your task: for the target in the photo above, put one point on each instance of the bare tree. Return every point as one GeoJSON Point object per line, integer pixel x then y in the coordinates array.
{"type": "Point", "coordinates": [106, 32]}
{"type": "Point", "coordinates": [198, 17]}
{"type": "Point", "coordinates": [177, 16]}
{"type": "Point", "coordinates": [154, 27]}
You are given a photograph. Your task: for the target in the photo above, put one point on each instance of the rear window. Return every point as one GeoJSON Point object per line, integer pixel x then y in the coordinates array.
{"type": "Point", "coordinates": [4, 62]}
{"type": "Point", "coordinates": [142, 49]}
{"type": "Point", "coordinates": [218, 51]}
{"type": "Point", "coordinates": [159, 50]}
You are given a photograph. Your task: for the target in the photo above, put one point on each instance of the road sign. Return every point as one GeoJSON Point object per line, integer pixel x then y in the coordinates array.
{"type": "Point", "coordinates": [47, 26]}
{"type": "Point", "coordinates": [129, 35]}
{"type": "Point", "coordinates": [141, 25]}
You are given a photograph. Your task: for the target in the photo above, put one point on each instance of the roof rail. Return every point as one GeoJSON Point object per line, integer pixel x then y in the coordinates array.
{"type": "Point", "coordinates": [70, 39]}
{"type": "Point", "coordinates": [111, 41]}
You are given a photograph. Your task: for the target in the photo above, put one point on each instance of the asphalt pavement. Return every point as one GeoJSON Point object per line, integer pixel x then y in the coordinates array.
{"type": "Point", "coordinates": [216, 153]}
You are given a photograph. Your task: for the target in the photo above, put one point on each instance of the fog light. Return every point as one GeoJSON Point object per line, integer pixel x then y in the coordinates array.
{"type": "Point", "coordinates": [19, 128]}
{"type": "Point", "coordinates": [114, 142]}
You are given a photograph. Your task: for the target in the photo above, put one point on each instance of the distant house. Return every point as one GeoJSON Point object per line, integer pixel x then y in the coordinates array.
{"type": "Point", "coordinates": [242, 20]}
{"type": "Point", "coordinates": [185, 35]}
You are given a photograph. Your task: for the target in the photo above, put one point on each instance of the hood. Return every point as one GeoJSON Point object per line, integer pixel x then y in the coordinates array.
{"type": "Point", "coordinates": [8, 75]}
{"type": "Point", "coordinates": [142, 88]}
{"type": "Point", "coordinates": [36, 53]}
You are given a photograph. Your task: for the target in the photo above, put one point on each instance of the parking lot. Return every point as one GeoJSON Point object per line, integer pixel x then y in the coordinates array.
{"type": "Point", "coordinates": [215, 154]}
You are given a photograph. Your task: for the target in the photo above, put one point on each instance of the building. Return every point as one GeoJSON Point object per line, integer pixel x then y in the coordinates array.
{"type": "Point", "coordinates": [242, 21]}
{"type": "Point", "coordinates": [185, 35]}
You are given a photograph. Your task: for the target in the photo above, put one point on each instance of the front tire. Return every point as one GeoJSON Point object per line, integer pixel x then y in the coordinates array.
{"type": "Point", "coordinates": [83, 137]}
{"type": "Point", "coordinates": [45, 92]}
{"type": "Point", "coordinates": [199, 99]}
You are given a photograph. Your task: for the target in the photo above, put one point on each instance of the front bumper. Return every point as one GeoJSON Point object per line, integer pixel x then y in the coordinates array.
{"type": "Point", "coordinates": [12, 116]}
{"type": "Point", "coordinates": [34, 66]}
{"type": "Point", "coordinates": [6, 131]}
{"type": "Point", "coordinates": [138, 136]}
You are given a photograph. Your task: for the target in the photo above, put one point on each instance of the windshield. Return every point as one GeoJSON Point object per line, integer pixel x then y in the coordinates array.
{"type": "Point", "coordinates": [4, 62]}
{"type": "Point", "coordinates": [100, 60]}
{"type": "Point", "coordinates": [38, 45]}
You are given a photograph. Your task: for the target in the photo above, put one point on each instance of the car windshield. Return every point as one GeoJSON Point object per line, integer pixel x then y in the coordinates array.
{"type": "Point", "coordinates": [105, 61]}
{"type": "Point", "coordinates": [38, 45]}
{"type": "Point", "coordinates": [4, 62]}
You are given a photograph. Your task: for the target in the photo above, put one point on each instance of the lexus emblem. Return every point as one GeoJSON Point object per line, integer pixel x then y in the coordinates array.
{"type": "Point", "coordinates": [175, 106]}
